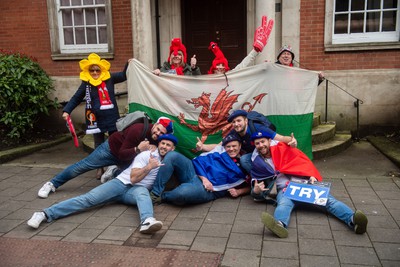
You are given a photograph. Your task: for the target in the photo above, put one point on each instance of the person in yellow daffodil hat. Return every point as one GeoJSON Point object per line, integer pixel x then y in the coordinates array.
{"type": "Point", "coordinates": [97, 88]}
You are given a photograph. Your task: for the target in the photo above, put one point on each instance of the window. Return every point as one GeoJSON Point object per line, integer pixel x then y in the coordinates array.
{"type": "Point", "coordinates": [79, 27]}
{"type": "Point", "coordinates": [365, 21]}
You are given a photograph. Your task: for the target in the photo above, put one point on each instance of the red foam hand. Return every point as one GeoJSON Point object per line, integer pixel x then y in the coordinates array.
{"type": "Point", "coordinates": [262, 33]}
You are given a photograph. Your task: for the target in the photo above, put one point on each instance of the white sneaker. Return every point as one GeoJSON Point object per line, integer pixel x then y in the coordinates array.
{"type": "Point", "coordinates": [150, 225]}
{"type": "Point", "coordinates": [37, 219]}
{"type": "Point", "coordinates": [45, 190]}
{"type": "Point", "coordinates": [108, 174]}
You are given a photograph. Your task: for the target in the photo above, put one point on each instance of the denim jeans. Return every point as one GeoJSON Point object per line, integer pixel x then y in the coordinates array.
{"type": "Point", "coordinates": [335, 207]}
{"type": "Point", "coordinates": [190, 190]}
{"type": "Point", "coordinates": [245, 162]}
{"type": "Point", "coordinates": [111, 191]}
{"type": "Point", "coordinates": [100, 157]}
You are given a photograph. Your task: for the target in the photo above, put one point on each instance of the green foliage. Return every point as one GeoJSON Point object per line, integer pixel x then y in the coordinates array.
{"type": "Point", "coordinates": [24, 87]}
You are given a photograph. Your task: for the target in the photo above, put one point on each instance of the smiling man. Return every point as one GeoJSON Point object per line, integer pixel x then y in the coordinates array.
{"type": "Point", "coordinates": [131, 187]}
{"type": "Point", "coordinates": [240, 127]}
{"type": "Point", "coordinates": [277, 162]}
{"type": "Point", "coordinates": [207, 177]}
{"type": "Point", "coordinates": [119, 149]}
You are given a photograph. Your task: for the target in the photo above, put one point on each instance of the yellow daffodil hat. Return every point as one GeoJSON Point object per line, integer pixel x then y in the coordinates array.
{"type": "Point", "coordinates": [94, 59]}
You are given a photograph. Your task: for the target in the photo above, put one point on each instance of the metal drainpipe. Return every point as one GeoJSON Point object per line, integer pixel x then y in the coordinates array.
{"type": "Point", "coordinates": [158, 34]}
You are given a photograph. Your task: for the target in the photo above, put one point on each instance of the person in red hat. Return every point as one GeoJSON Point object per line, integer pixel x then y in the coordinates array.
{"type": "Point", "coordinates": [119, 149]}
{"type": "Point", "coordinates": [176, 63]}
{"type": "Point", "coordinates": [261, 35]}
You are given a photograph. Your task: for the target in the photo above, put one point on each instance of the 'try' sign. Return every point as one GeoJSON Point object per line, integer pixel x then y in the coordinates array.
{"type": "Point", "coordinates": [310, 193]}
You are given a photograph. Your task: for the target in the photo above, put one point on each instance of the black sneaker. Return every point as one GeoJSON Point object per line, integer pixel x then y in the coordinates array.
{"type": "Point", "coordinates": [155, 199]}
{"type": "Point", "coordinates": [360, 222]}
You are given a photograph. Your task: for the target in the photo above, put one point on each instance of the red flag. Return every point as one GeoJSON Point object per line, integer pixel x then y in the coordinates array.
{"type": "Point", "coordinates": [293, 161]}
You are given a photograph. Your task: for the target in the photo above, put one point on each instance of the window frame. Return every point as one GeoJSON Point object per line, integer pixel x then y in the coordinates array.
{"type": "Point", "coordinates": [58, 52]}
{"type": "Point", "coordinates": [362, 41]}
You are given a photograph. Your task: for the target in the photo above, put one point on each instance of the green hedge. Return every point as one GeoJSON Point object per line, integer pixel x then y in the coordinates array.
{"type": "Point", "coordinates": [24, 89]}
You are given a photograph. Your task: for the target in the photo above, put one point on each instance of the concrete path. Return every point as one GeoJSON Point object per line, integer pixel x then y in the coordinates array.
{"type": "Point", "coordinates": [226, 232]}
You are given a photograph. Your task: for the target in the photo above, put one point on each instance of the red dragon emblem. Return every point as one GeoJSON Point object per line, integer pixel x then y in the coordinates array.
{"type": "Point", "coordinates": [215, 118]}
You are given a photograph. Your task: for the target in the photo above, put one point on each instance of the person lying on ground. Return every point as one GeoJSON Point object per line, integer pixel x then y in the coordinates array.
{"type": "Point", "coordinates": [119, 149]}
{"type": "Point", "coordinates": [267, 163]}
{"type": "Point", "coordinates": [207, 177]}
{"type": "Point", "coordinates": [131, 187]}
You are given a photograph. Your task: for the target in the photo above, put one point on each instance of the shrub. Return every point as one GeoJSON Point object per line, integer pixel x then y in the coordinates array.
{"type": "Point", "coordinates": [24, 87]}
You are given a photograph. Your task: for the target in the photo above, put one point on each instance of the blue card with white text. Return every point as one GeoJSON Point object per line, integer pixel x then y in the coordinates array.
{"type": "Point", "coordinates": [316, 193]}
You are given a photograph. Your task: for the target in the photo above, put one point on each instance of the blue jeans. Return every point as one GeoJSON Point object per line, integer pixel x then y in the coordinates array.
{"type": "Point", "coordinates": [335, 207]}
{"type": "Point", "coordinates": [245, 162]}
{"type": "Point", "coordinates": [111, 191]}
{"type": "Point", "coordinates": [190, 190]}
{"type": "Point", "coordinates": [100, 157]}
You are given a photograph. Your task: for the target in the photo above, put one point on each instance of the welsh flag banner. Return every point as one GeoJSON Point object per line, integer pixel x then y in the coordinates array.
{"type": "Point", "coordinates": [200, 105]}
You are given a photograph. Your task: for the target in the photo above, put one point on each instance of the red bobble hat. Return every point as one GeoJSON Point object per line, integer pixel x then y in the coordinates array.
{"type": "Point", "coordinates": [176, 46]}
{"type": "Point", "coordinates": [219, 58]}
{"type": "Point", "coordinates": [167, 123]}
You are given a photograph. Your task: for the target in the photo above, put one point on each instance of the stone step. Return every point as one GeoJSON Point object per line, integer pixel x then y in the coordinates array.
{"type": "Point", "coordinates": [323, 133]}
{"type": "Point", "coordinates": [339, 143]}
{"type": "Point", "coordinates": [316, 119]}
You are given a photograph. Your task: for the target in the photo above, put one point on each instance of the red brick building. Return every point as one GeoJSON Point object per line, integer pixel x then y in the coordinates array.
{"type": "Point", "coordinates": [356, 45]}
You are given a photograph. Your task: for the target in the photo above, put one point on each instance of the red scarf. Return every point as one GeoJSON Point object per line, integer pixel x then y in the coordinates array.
{"type": "Point", "coordinates": [179, 70]}
{"type": "Point", "coordinates": [105, 102]}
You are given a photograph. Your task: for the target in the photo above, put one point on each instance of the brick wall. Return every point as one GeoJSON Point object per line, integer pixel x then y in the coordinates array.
{"type": "Point", "coordinates": [312, 55]}
{"type": "Point", "coordinates": [25, 26]}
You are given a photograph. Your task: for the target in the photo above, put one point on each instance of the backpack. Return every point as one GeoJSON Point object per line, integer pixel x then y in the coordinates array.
{"type": "Point", "coordinates": [132, 118]}
{"type": "Point", "coordinates": [255, 117]}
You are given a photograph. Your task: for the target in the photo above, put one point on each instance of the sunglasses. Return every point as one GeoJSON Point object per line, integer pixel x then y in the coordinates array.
{"type": "Point", "coordinates": [95, 70]}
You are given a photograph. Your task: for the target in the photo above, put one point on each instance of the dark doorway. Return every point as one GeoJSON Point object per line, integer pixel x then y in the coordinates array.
{"type": "Point", "coordinates": [221, 21]}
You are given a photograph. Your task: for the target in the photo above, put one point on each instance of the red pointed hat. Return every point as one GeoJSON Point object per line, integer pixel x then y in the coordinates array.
{"type": "Point", "coordinates": [219, 58]}
{"type": "Point", "coordinates": [176, 46]}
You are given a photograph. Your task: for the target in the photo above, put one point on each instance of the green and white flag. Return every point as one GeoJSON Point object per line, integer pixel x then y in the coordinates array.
{"type": "Point", "coordinates": [200, 105]}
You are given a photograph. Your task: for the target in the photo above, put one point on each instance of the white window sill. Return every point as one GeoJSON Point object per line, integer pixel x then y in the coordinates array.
{"type": "Point", "coordinates": [79, 56]}
{"type": "Point", "coordinates": [362, 47]}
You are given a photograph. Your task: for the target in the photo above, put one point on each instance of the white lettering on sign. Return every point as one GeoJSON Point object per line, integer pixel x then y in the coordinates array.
{"type": "Point", "coordinates": [306, 192]}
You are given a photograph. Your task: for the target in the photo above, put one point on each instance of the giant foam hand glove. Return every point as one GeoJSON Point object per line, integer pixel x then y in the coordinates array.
{"type": "Point", "coordinates": [262, 33]}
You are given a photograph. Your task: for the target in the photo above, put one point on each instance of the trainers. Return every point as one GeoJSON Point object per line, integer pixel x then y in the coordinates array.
{"type": "Point", "coordinates": [108, 174]}
{"type": "Point", "coordinates": [45, 190]}
{"type": "Point", "coordinates": [150, 225]}
{"type": "Point", "coordinates": [273, 225]}
{"type": "Point", "coordinates": [36, 219]}
{"type": "Point", "coordinates": [155, 199]}
{"type": "Point", "coordinates": [360, 222]}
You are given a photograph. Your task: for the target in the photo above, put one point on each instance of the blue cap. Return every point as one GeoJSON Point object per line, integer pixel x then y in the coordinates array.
{"type": "Point", "coordinates": [231, 137]}
{"type": "Point", "coordinates": [236, 113]}
{"type": "Point", "coordinates": [262, 134]}
{"type": "Point", "coordinates": [169, 137]}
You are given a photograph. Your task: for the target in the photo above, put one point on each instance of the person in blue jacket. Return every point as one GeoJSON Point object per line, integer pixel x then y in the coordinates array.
{"type": "Point", "coordinates": [97, 87]}
{"type": "Point", "coordinates": [207, 177]}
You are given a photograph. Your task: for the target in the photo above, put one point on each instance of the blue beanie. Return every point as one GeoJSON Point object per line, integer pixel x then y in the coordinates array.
{"type": "Point", "coordinates": [237, 113]}
{"type": "Point", "coordinates": [169, 137]}
{"type": "Point", "coordinates": [231, 137]}
{"type": "Point", "coordinates": [261, 134]}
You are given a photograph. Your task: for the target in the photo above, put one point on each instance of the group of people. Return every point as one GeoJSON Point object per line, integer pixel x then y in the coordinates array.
{"type": "Point", "coordinates": [221, 171]}
{"type": "Point", "coordinates": [246, 161]}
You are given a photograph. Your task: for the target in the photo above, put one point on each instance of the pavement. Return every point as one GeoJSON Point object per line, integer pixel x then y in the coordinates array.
{"type": "Point", "coordinates": [226, 232]}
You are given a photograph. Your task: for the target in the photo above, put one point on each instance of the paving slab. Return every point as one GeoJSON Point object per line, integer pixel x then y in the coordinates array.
{"type": "Point", "coordinates": [225, 232]}
{"type": "Point", "coordinates": [18, 252]}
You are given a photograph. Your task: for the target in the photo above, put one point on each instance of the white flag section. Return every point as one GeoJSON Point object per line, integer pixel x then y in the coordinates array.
{"type": "Point", "coordinates": [200, 105]}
